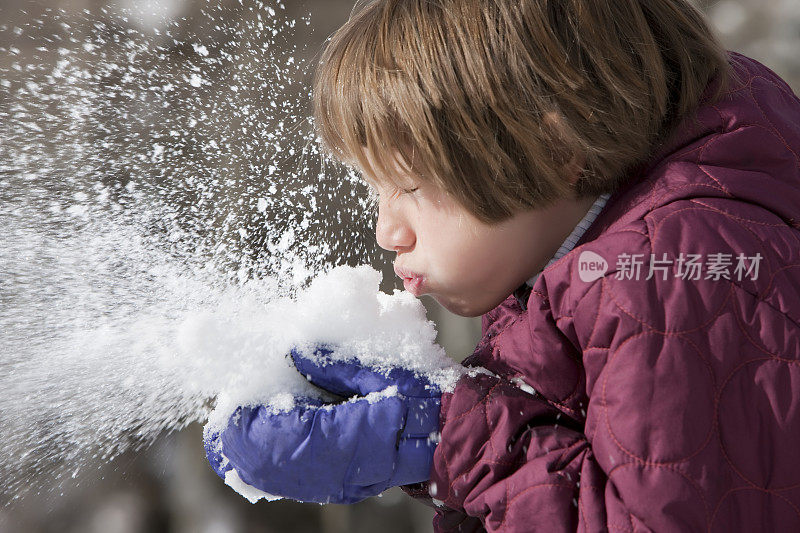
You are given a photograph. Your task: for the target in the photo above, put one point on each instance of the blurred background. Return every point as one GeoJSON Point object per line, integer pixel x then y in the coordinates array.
{"type": "Point", "coordinates": [168, 487]}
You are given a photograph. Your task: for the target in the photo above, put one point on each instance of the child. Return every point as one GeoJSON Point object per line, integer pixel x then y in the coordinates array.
{"type": "Point", "coordinates": [647, 379]}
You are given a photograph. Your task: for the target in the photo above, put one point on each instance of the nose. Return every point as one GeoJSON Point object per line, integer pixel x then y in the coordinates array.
{"type": "Point", "coordinates": [392, 231]}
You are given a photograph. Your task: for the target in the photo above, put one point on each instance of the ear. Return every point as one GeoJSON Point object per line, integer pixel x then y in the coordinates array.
{"type": "Point", "coordinates": [574, 169]}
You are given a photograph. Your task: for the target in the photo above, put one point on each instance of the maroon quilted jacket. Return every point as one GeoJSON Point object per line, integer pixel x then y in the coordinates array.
{"type": "Point", "coordinates": [665, 404]}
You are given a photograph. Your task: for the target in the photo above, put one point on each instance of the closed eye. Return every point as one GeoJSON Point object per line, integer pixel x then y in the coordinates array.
{"type": "Point", "coordinates": [400, 191]}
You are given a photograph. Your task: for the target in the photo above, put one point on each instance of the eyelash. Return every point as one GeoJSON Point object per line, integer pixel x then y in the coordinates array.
{"type": "Point", "coordinates": [374, 197]}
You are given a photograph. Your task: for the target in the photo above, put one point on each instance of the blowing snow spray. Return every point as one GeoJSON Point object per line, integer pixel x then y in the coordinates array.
{"type": "Point", "coordinates": [163, 198]}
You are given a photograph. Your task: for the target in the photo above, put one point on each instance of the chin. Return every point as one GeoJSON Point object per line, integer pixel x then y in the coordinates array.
{"type": "Point", "coordinates": [464, 308]}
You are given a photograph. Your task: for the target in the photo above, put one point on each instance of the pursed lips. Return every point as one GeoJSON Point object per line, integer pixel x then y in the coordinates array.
{"type": "Point", "coordinates": [412, 282]}
{"type": "Point", "coordinates": [406, 274]}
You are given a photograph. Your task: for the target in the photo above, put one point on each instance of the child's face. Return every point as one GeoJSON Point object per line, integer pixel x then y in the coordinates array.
{"type": "Point", "coordinates": [468, 266]}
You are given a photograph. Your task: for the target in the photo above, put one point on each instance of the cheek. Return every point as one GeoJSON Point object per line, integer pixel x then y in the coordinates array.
{"type": "Point", "coordinates": [469, 261]}
{"type": "Point", "coordinates": [458, 251]}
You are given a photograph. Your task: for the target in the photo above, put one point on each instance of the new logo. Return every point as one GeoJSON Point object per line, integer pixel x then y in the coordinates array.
{"type": "Point", "coordinates": [591, 266]}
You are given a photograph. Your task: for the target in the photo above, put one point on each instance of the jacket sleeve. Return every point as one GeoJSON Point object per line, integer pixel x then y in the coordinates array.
{"type": "Point", "coordinates": [507, 458]}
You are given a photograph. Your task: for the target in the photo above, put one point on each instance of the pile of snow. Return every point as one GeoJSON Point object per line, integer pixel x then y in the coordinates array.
{"type": "Point", "coordinates": [343, 309]}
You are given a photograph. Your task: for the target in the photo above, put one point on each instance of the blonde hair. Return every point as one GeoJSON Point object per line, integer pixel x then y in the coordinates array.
{"type": "Point", "coordinates": [494, 100]}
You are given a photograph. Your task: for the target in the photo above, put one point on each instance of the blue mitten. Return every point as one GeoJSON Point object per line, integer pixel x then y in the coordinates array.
{"type": "Point", "coordinates": [336, 453]}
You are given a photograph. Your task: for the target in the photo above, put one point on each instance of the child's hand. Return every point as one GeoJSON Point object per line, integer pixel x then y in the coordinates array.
{"type": "Point", "coordinates": [337, 453]}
